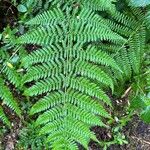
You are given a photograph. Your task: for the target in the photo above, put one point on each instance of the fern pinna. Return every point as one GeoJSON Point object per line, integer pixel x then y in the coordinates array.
{"type": "Point", "coordinates": [66, 72]}
{"type": "Point", "coordinates": [8, 75]}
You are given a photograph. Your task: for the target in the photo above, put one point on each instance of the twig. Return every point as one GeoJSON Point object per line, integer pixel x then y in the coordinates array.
{"type": "Point", "coordinates": [126, 92]}
{"type": "Point", "coordinates": [140, 139]}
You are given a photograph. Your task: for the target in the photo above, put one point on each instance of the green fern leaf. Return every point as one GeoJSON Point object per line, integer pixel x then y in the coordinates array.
{"type": "Point", "coordinates": [129, 56]}
{"type": "Point", "coordinates": [4, 118]}
{"type": "Point", "coordinates": [7, 97]}
{"type": "Point", "coordinates": [67, 72]}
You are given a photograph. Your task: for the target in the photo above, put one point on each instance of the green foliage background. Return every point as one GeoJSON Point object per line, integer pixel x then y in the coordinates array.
{"type": "Point", "coordinates": [84, 50]}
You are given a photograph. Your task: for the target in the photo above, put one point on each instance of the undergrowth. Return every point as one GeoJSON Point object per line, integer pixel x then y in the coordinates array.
{"type": "Point", "coordinates": [65, 58]}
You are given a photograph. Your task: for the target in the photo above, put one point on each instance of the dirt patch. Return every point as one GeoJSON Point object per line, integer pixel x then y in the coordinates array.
{"type": "Point", "coordinates": [8, 14]}
{"type": "Point", "coordinates": [9, 138]}
{"type": "Point", "coordinates": [138, 135]}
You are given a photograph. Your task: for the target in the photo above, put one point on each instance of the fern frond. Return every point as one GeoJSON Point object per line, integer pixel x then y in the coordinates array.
{"type": "Point", "coordinates": [46, 36]}
{"type": "Point", "coordinates": [124, 63]}
{"type": "Point", "coordinates": [67, 72]}
{"type": "Point", "coordinates": [85, 86]}
{"type": "Point", "coordinates": [124, 19]}
{"type": "Point", "coordinates": [137, 44]}
{"type": "Point", "coordinates": [94, 55]}
{"type": "Point", "coordinates": [39, 56]}
{"type": "Point", "coordinates": [100, 5]}
{"type": "Point", "coordinates": [50, 17]}
{"type": "Point", "coordinates": [85, 30]}
{"type": "Point", "coordinates": [42, 71]}
{"type": "Point", "coordinates": [94, 72]}
{"type": "Point", "coordinates": [44, 86]}
{"type": "Point", "coordinates": [4, 118]}
{"type": "Point", "coordinates": [91, 27]}
{"type": "Point", "coordinates": [129, 56]}
{"type": "Point", "coordinates": [75, 98]}
{"type": "Point", "coordinates": [8, 77]}
{"type": "Point", "coordinates": [12, 76]}
{"type": "Point", "coordinates": [7, 98]}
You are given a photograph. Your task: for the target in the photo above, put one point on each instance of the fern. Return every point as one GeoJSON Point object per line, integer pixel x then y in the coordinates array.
{"type": "Point", "coordinates": [67, 72]}
{"type": "Point", "coordinates": [133, 58]}
{"type": "Point", "coordinates": [145, 86]}
{"type": "Point", "coordinates": [141, 99]}
{"type": "Point", "coordinates": [8, 100]}
{"type": "Point", "coordinates": [92, 4]}
{"type": "Point", "coordinates": [8, 75]}
{"type": "Point", "coordinates": [29, 138]}
{"type": "Point", "coordinates": [130, 55]}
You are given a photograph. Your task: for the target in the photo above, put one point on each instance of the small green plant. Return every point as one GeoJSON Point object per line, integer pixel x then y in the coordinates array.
{"type": "Point", "coordinates": [29, 138]}
{"type": "Point", "coordinates": [8, 75]}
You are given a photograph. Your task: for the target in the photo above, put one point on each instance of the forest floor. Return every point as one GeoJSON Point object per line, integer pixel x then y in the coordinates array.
{"type": "Point", "coordinates": [137, 134]}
